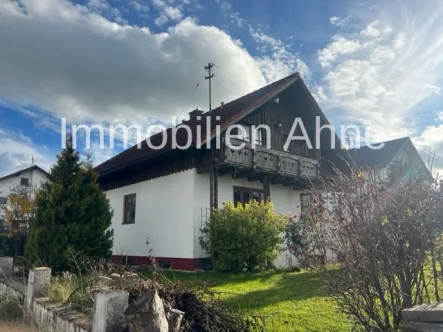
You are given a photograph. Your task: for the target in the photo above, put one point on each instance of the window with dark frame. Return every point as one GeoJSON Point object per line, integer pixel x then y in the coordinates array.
{"type": "Point", "coordinates": [24, 182]}
{"type": "Point", "coordinates": [305, 201]}
{"type": "Point", "coordinates": [244, 195]}
{"type": "Point", "coordinates": [260, 136]}
{"type": "Point", "coordinates": [243, 135]}
{"type": "Point", "coordinates": [129, 209]}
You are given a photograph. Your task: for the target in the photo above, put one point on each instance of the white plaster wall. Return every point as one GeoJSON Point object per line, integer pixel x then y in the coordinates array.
{"type": "Point", "coordinates": [36, 178]}
{"type": "Point", "coordinates": [7, 184]}
{"type": "Point", "coordinates": [164, 213]}
{"type": "Point", "coordinates": [201, 210]}
{"type": "Point", "coordinates": [285, 200]}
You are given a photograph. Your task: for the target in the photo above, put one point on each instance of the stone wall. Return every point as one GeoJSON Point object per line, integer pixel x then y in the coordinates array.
{"type": "Point", "coordinates": [108, 314]}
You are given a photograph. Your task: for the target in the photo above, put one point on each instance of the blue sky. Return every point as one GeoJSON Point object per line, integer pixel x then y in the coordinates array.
{"type": "Point", "coordinates": [370, 63]}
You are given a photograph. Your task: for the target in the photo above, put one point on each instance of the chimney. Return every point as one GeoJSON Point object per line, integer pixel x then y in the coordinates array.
{"type": "Point", "coordinates": [195, 113]}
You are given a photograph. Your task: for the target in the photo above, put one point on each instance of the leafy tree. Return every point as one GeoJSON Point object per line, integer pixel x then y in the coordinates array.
{"type": "Point", "coordinates": [18, 211]}
{"type": "Point", "coordinates": [243, 236]}
{"type": "Point", "coordinates": [72, 214]}
{"type": "Point", "coordinates": [386, 237]}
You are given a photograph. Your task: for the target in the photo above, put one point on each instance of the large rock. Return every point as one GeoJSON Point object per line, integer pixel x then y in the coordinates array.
{"type": "Point", "coordinates": [147, 314]}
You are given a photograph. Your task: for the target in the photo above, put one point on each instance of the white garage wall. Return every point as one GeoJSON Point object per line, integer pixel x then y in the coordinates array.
{"type": "Point", "coordinates": [164, 213]}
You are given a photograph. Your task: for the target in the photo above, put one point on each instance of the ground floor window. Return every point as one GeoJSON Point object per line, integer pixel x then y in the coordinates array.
{"type": "Point", "coordinates": [129, 209]}
{"type": "Point", "coordinates": [305, 201]}
{"type": "Point", "coordinates": [244, 195]}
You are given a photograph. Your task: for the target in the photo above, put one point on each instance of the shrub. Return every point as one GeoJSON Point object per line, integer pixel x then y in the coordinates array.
{"type": "Point", "coordinates": [10, 308]}
{"type": "Point", "coordinates": [73, 290]}
{"type": "Point", "coordinates": [72, 214]}
{"type": "Point", "coordinates": [386, 238]}
{"type": "Point", "coordinates": [244, 236]}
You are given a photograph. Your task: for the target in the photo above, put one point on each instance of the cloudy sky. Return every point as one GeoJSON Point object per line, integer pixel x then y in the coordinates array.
{"type": "Point", "coordinates": [370, 63]}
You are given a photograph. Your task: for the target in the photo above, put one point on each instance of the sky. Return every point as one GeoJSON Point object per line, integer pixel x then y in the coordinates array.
{"type": "Point", "coordinates": [376, 64]}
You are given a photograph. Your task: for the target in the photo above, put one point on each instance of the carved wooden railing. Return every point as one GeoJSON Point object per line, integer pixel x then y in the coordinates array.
{"type": "Point", "coordinates": [269, 160]}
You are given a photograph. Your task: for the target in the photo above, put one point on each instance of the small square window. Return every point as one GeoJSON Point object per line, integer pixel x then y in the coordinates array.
{"type": "Point", "coordinates": [129, 209]}
{"type": "Point", "coordinates": [3, 200]}
{"type": "Point", "coordinates": [24, 182]}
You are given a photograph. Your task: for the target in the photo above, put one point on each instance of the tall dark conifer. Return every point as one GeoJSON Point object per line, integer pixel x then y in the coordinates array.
{"type": "Point", "coordinates": [73, 215]}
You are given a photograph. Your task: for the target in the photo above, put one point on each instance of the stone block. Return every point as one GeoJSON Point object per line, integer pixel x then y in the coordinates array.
{"type": "Point", "coordinates": [6, 267]}
{"type": "Point", "coordinates": [38, 284]}
{"type": "Point", "coordinates": [109, 311]}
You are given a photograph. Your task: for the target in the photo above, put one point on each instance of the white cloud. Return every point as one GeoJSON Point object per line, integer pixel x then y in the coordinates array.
{"type": "Point", "coordinates": [102, 7]}
{"type": "Point", "coordinates": [86, 67]}
{"type": "Point", "coordinates": [382, 74]}
{"type": "Point", "coordinates": [277, 60]}
{"type": "Point", "coordinates": [139, 6]}
{"type": "Point", "coordinates": [338, 46]}
{"type": "Point", "coordinates": [17, 150]}
{"type": "Point", "coordinates": [167, 12]}
{"type": "Point", "coordinates": [339, 22]}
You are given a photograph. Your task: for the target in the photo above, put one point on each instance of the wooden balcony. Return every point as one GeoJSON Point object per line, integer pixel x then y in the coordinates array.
{"type": "Point", "coordinates": [269, 160]}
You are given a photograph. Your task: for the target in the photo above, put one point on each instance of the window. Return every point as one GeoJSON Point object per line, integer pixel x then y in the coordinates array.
{"type": "Point", "coordinates": [244, 195]}
{"type": "Point", "coordinates": [295, 146]}
{"type": "Point", "coordinates": [3, 200]}
{"type": "Point", "coordinates": [260, 136]}
{"type": "Point", "coordinates": [305, 200]}
{"type": "Point", "coordinates": [243, 135]}
{"type": "Point", "coordinates": [129, 209]}
{"type": "Point", "coordinates": [24, 182]}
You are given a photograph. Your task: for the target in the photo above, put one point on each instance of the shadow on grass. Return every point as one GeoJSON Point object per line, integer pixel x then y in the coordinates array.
{"type": "Point", "coordinates": [283, 287]}
{"type": "Point", "coordinates": [256, 290]}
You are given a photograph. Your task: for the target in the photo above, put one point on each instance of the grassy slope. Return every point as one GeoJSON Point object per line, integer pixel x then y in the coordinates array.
{"type": "Point", "coordinates": [291, 301]}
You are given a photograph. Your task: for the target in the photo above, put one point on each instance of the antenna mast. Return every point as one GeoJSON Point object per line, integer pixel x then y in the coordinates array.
{"type": "Point", "coordinates": [209, 77]}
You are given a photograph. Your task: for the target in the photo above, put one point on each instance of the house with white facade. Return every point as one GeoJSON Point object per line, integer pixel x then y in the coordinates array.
{"type": "Point", "coordinates": [161, 197]}
{"type": "Point", "coordinates": [32, 176]}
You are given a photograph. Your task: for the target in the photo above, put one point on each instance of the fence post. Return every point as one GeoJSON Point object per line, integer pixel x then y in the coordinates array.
{"type": "Point", "coordinates": [38, 284]}
{"type": "Point", "coordinates": [6, 266]}
{"type": "Point", "coordinates": [109, 310]}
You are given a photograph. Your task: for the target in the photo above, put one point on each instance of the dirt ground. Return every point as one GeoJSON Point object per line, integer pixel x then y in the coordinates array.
{"type": "Point", "coordinates": [16, 327]}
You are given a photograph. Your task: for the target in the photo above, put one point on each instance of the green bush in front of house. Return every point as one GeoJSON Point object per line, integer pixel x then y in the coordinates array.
{"type": "Point", "coordinates": [243, 236]}
{"type": "Point", "coordinates": [72, 216]}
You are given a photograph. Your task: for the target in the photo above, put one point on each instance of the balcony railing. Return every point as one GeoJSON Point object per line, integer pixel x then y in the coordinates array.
{"type": "Point", "coordinates": [270, 160]}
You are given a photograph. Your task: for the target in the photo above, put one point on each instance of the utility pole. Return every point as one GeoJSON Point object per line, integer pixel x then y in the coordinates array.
{"type": "Point", "coordinates": [209, 77]}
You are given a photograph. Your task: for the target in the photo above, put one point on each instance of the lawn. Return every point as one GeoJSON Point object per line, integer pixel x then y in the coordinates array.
{"type": "Point", "coordinates": [289, 301]}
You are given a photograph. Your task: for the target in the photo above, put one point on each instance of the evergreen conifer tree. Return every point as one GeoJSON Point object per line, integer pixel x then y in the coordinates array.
{"type": "Point", "coordinates": [72, 215]}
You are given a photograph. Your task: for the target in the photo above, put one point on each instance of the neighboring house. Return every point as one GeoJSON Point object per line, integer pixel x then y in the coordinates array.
{"type": "Point", "coordinates": [32, 176]}
{"type": "Point", "coordinates": [161, 198]}
{"type": "Point", "coordinates": [394, 153]}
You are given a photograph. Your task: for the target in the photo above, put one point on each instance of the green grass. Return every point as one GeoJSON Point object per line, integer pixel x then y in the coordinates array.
{"type": "Point", "coordinates": [289, 301]}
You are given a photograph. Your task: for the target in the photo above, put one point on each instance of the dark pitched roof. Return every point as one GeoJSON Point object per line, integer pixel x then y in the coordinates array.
{"type": "Point", "coordinates": [31, 168]}
{"type": "Point", "coordinates": [228, 113]}
{"type": "Point", "coordinates": [366, 157]}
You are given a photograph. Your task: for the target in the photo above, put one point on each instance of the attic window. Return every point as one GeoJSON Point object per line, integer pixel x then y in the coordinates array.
{"type": "Point", "coordinates": [260, 136]}
{"type": "Point", "coordinates": [129, 209]}
{"type": "Point", "coordinates": [243, 135]}
{"type": "Point", "coordinates": [24, 182]}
